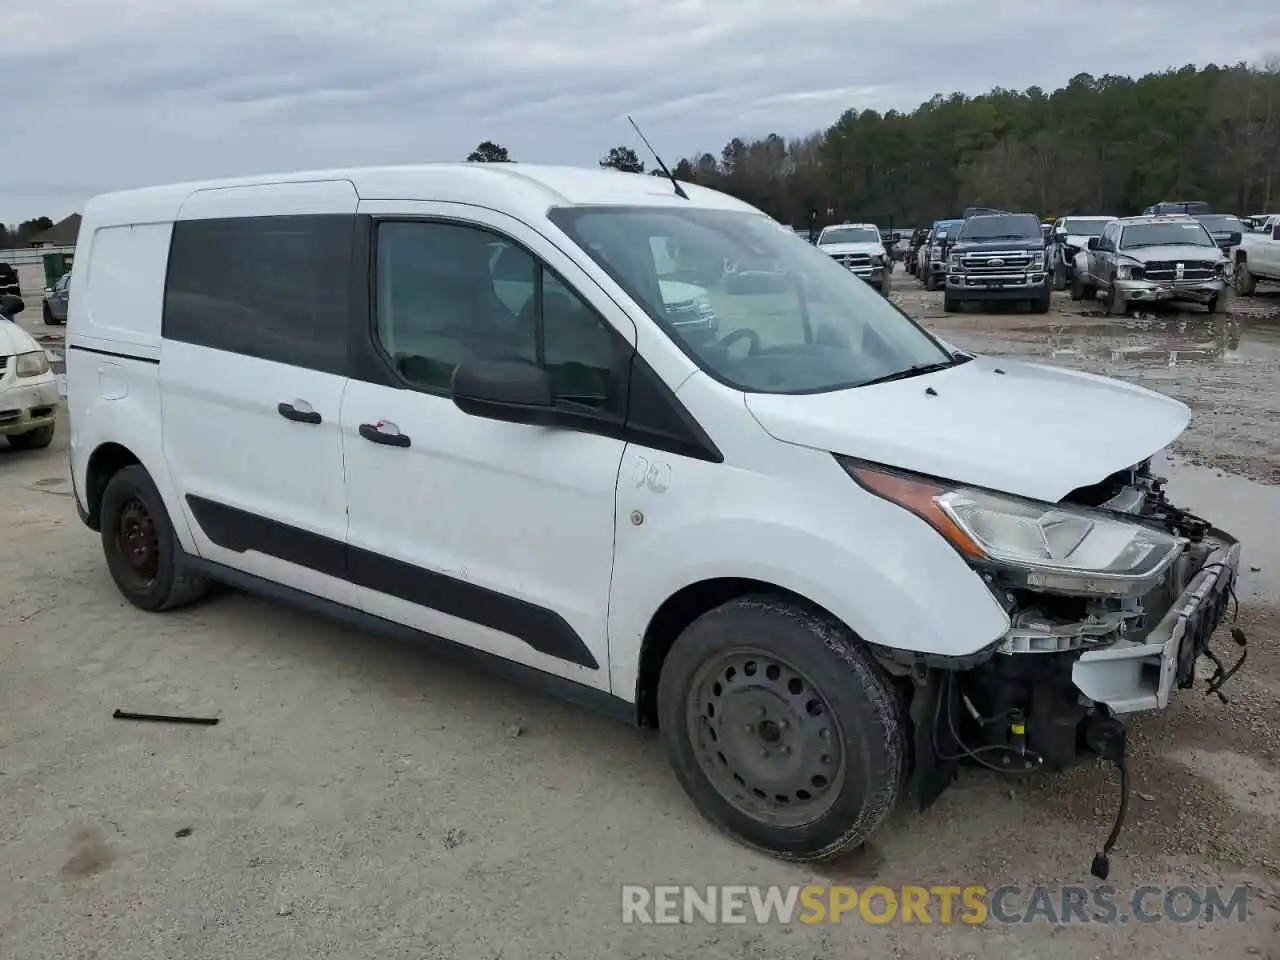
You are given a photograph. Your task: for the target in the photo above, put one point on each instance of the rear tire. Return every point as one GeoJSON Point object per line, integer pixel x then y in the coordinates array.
{"type": "Point", "coordinates": [47, 314]}
{"type": "Point", "coordinates": [1060, 276]}
{"type": "Point", "coordinates": [143, 554]}
{"type": "Point", "coordinates": [32, 439]}
{"type": "Point", "coordinates": [781, 728]}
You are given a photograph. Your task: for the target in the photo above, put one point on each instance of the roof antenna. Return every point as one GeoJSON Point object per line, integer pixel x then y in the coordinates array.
{"type": "Point", "coordinates": [670, 176]}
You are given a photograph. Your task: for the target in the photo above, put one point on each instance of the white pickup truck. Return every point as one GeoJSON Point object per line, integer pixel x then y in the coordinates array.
{"type": "Point", "coordinates": [1258, 257]}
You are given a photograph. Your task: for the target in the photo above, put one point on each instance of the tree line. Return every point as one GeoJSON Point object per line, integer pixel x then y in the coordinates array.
{"type": "Point", "coordinates": [1110, 145]}
{"type": "Point", "coordinates": [19, 235]}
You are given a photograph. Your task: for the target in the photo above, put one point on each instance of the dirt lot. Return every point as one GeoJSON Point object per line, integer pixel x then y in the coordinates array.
{"type": "Point", "coordinates": [360, 799]}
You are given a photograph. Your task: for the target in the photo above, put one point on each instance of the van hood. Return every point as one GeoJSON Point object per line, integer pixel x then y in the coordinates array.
{"type": "Point", "coordinates": [1029, 430]}
{"type": "Point", "coordinates": [13, 339]}
{"type": "Point", "coordinates": [840, 249]}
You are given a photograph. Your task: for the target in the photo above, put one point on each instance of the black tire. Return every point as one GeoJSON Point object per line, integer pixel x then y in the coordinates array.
{"type": "Point", "coordinates": [32, 439]}
{"type": "Point", "coordinates": [829, 708]}
{"type": "Point", "coordinates": [1246, 283]}
{"type": "Point", "coordinates": [1217, 303]}
{"type": "Point", "coordinates": [950, 304]}
{"type": "Point", "coordinates": [1059, 276]}
{"type": "Point", "coordinates": [929, 282]}
{"type": "Point", "coordinates": [153, 574]}
{"type": "Point", "coordinates": [1041, 303]}
{"type": "Point", "coordinates": [47, 314]}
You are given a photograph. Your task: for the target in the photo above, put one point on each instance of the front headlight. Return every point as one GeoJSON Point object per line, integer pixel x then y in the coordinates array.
{"type": "Point", "coordinates": [1037, 258]}
{"type": "Point", "coordinates": [877, 259]}
{"type": "Point", "coordinates": [1129, 271]}
{"type": "Point", "coordinates": [32, 364]}
{"type": "Point", "coordinates": [1048, 546]}
{"type": "Point", "coordinates": [955, 261]}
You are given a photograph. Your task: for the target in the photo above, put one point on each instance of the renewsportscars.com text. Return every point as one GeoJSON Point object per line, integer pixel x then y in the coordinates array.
{"type": "Point", "coordinates": [936, 904]}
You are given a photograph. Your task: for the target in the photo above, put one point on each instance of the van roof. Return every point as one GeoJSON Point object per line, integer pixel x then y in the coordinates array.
{"type": "Point", "coordinates": [514, 187]}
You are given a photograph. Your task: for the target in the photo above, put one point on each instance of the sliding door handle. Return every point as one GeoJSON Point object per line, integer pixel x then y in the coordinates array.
{"type": "Point", "coordinates": [385, 433]}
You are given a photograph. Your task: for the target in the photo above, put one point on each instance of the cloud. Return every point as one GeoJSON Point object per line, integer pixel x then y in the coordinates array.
{"type": "Point", "coordinates": [111, 96]}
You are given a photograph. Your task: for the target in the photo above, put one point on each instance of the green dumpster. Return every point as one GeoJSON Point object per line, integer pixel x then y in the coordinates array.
{"type": "Point", "coordinates": [55, 265]}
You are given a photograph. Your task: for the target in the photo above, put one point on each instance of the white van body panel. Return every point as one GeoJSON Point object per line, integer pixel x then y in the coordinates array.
{"type": "Point", "coordinates": [783, 513]}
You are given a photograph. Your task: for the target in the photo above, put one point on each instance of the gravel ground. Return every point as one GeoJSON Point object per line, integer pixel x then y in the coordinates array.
{"type": "Point", "coordinates": [361, 799]}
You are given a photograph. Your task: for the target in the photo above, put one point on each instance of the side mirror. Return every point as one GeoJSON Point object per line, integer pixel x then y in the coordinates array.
{"type": "Point", "coordinates": [11, 306]}
{"type": "Point", "coordinates": [1234, 238]}
{"type": "Point", "coordinates": [1093, 243]}
{"type": "Point", "coordinates": [516, 391]}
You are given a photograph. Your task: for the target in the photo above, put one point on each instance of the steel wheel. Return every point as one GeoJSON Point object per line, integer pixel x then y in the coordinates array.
{"type": "Point", "coordinates": [137, 544]}
{"type": "Point", "coordinates": [765, 737]}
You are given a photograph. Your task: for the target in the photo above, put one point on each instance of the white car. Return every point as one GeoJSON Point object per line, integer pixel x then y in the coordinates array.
{"type": "Point", "coordinates": [859, 248]}
{"type": "Point", "coordinates": [28, 390]}
{"type": "Point", "coordinates": [799, 549]}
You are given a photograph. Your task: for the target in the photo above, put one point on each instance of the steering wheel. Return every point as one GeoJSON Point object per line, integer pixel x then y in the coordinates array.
{"type": "Point", "coordinates": [743, 333]}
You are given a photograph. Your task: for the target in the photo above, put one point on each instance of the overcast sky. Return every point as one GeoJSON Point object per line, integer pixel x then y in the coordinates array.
{"type": "Point", "coordinates": [114, 95]}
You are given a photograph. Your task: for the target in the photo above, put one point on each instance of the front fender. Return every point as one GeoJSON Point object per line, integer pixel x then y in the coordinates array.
{"type": "Point", "coordinates": [882, 571]}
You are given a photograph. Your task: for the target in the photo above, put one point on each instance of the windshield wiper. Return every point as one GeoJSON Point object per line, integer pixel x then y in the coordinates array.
{"type": "Point", "coordinates": [914, 371]}
{"type": "Point", "coordinates": [1000, 236]}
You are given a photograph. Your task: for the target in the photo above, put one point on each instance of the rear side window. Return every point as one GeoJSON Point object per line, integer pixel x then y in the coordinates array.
{"type": "Point", "coordinates": [275, 288]}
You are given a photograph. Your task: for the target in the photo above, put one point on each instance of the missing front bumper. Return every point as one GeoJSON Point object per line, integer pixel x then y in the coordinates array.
{"type": "Point", "coordinates": [1130, 676]}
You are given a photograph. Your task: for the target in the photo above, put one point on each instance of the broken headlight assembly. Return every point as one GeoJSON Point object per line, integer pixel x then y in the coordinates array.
{"type": "Point", "coordinates": [1041, 546]}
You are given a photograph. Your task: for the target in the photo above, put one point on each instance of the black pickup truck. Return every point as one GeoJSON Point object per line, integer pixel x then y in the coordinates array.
{"type": "Point", "coordinates": [998, 257]}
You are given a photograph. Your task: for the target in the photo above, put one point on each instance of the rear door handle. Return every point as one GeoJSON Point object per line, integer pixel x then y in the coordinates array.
{"type": "Point", "coordinates": [384, 433]}
{"type": "Point", "coordinates": [299, 412]}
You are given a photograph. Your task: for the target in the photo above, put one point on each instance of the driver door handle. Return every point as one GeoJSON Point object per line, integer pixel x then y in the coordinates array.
{"type": "Point", "coordinates": [384, 433]}
{"type": "Point", "coordinates": [299, 412]}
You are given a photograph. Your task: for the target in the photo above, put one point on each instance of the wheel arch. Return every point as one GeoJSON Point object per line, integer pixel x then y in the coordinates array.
{"type": "Point", "coordinates": [105, 462]}
{"type": "Point", "coordinates": [681, 609]}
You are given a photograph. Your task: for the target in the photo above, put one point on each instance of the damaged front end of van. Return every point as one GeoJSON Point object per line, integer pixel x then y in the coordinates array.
{"type": "Point", "coordinates": [1113, 594]}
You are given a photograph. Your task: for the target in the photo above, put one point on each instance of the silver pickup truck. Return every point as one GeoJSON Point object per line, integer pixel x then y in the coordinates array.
{"type": "Point", "coordinates": [1153, 259]}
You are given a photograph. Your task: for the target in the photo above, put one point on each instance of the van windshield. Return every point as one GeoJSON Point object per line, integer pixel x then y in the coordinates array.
{"type": "Point", "coordinates": [790, 318]}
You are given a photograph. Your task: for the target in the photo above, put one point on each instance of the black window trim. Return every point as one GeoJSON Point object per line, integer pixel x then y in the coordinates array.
{"type": "Point", "coordinates": [370, 363]}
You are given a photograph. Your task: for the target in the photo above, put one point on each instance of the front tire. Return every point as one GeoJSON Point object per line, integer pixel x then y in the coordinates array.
{"type": "Point", "coordinates": [781, 728]}
{"type": "Point", "coordinates": [1059, 276]}
{"type": "Point", "coordinates": [951, 304]}
{"type": "Point", "coordinates": [143, 554]}
{"type": "Point", "coordinates": [1041, 303]}
{"type": "Point", "coordinates": [1246, 283]}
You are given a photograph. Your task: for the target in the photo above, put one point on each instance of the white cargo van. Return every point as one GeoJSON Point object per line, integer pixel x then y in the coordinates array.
{"type": "Point", "coordinates": [827, 554]}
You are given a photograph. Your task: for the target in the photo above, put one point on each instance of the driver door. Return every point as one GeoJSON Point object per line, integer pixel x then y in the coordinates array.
{"type": "Point", "coordinates": [497, 536]}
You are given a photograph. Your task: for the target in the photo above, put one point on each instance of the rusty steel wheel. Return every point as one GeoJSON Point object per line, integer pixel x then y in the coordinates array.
{"type": "Point", "coordinates": [137, 543]}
